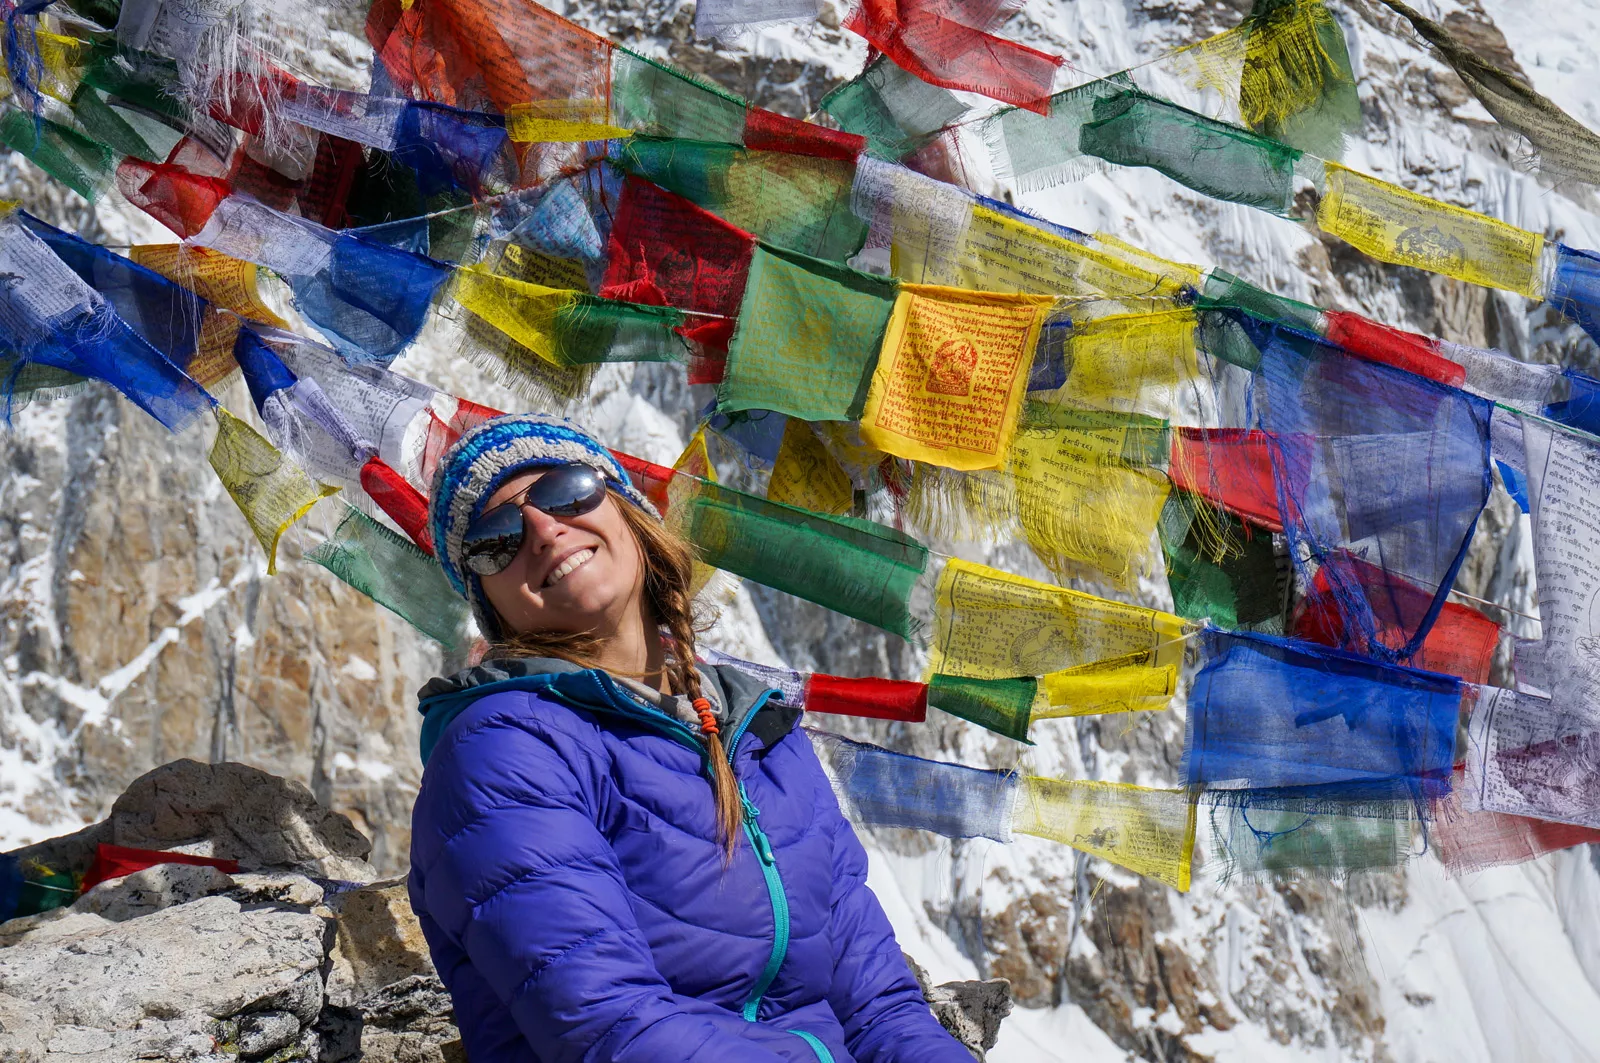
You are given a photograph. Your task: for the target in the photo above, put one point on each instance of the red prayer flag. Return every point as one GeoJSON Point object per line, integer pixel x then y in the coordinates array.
{"type": "Point", "coordinates": [877, 699]}
{"type": "Point", "coordinates": [403, 504]}
{"type": "Point", "coordinates": [1232, 467]}
{"type": "Point", "coordinates": [651, 479]}
{"type": "Point", "coordinates": [769, 131]}
{"type": "Point", "coordinates": [666, 251]}
{"type": "Point", "coordinates": [114, 861]}
{"type": "Point", "coordinates": [1414, 353]}
{"type": "Point", "coordinates": [1461, 642]}
{"type": "Point", "coordinates": [178, 199]}
{"type": "Point", "coordinates": [1468, 842]}
{"type": "Point", "coordinates": [922, 38]}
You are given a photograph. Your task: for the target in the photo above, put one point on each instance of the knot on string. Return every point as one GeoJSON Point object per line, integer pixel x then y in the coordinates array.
{"type": "Point", "coordinates": [708, 719]}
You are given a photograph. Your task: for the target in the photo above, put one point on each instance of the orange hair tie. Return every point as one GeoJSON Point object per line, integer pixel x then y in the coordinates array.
{"type": "Point", "coordinates": [708, 719]}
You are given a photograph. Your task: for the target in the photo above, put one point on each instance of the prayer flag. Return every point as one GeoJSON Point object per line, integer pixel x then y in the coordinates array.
{"type": "Point", "coordinates": [807, 339]}
{"type": "Point", "coordinates": [1300, 837]}
{"type": "Point", "coordinates": [379, 563]}
{"type": "Point", "coordinates": [944, 44]}
{"type": "Point", "coordinates": [83, 165]}
{"type": "Point", "coordinates": [1214, 158]}
{"type": "Point", "coordinates": [896, 111]}
{"type": "Point", "coordinates": [805, 475]}
{"type": "Point", "coordinates": [877, 699]}
{"type": "Point", "coordinates": [1534, 756]}
{"type": "Point", "coordinates": [1084, 492]}
{"type": "Point", "coordinates": [1394, 225]}
{"type": "Point", "coordinates": [569, 328]}
{"type": "Point", "coordinates": [1149, 832]}
{"type": "Point", "coordinates": [989, 624]}
{"type": "Point", "coordinates": [271, 491]}
{"type": "Point", "coordinates": [949, 382]}
{"type": "Point", "coordinates": [666, 251]}
{"type": "Point", "coordinates": [1270, 713]}
{"type": "Point", "coordinates": [799, 202]}
{"type": "Point", "coordinates": [1377, 465]}
{"type": "Point", "coordinates": [854, 567]}
{"type": "Point", "coordinates": [881, 788]}
{"type": "Point", "coordinates": [657, 100]}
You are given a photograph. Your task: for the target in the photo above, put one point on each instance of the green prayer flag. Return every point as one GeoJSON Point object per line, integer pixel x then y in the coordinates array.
{"type": "Point", "coordinates": [1004, 706]}
{"type": "Point", "coordinates": [1244, 587]}
{"type": "Point", "coordinates": [1211, 157]}
{"type": "Point", "coordinates": [650, 98]}
{"type": "Point", "coordinates": [1040, 150]}
{"type": "Point", "coordinates": [855, 567]}
{"type": "Point", "coordinates": [807, 339]}
{"type": "Point", "coordinates": [799, 202]}
{"type": "Point", "coordinates": [125, 132]}
{"type": "Point", "coordinates": [390, 569]}
{"type": "Point", "coordinates": [1223, 337]}
{"type": "Point", "coordinates": [83, 165]}
{"type": "Point", "coordinates": [1303, 836]}
{"type": "Point", "coordinates": [896, 111]}
{"type": "Point", "coordinates": [594, 330]}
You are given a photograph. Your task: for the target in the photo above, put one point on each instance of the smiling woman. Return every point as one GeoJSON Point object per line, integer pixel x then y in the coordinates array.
{"type": "Point", "coordinates": [584, 891]}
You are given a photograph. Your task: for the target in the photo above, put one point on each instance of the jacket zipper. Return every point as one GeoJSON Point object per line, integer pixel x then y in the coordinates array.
{"type": "Point", "coordinates": [780, 906]}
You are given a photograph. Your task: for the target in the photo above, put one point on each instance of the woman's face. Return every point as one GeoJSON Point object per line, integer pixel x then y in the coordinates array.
{"type": "Point", "coordinates": [573, 574]}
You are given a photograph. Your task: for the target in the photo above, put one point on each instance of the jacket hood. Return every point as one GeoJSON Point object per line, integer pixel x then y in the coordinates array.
{"type": "Point", "coordinates": [444, 698]}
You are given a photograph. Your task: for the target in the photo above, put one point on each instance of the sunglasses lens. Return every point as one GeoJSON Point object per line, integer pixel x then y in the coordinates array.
{"type": "Point", "coordinates": [494, 539]}
{"type": "Point", "coordinates": [568, 491]}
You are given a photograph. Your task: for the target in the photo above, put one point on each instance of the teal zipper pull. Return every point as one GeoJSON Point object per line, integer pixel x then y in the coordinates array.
{"type": "Point", "coordinates": [750, 810]}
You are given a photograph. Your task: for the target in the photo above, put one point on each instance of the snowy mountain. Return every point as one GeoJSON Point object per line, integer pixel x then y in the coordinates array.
{"type": "Point", "coordinates": [140, 626]}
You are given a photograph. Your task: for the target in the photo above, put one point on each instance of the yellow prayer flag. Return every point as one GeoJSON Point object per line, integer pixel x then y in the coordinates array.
{"type": "Point", "coordinates": [1172, 274]}
{"type": "Point", "coordinates": [1394, 225]}
{"type": "Point", "coordinates": [1118, 684]}
{"type": "Point", "coordinates": [213, 276]}
{"type": "Point", "coordinates": [534, 267]}
{"type": "Point", "coordinates": [561, 121]}
{"type": "Point", "coordinates": [695, 461]}
{"type": "Point", "coordinates": [1131, 363]}
{"type": "Point", "coordinates": [1077, 502]}
{"type": "Point", "coordinates": [1150, 832]}
{"type": "Point", "coordinates": [806, 475]}
{"type": "Point", "coordinates": [225, 282]}
{"type": "Point", "coordinates": [989, 624]}
{"type": "Point", "coordinates": [271, 491]}
{"type": "Point", "coordinates": [1003, 254]}
{"type": "Point", "coordinates": [951, 374]}
{"type": "Point", "coordinates": [526, 312]}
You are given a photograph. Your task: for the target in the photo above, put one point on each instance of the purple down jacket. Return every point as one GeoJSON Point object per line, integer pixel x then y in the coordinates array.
{"type": "Point", "coordinates": [565, 868]}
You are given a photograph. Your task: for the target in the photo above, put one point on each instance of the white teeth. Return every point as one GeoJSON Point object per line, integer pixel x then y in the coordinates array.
{"type": "Point", "coordinates": [567, 567]}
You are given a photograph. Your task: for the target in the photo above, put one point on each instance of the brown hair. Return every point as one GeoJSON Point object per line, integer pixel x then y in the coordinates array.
{"type": "Point", "coordinates": [668, 573]}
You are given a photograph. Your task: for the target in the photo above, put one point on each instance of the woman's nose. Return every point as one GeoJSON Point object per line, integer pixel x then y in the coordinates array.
{"type": "Point", "coordinates": [542, 528]}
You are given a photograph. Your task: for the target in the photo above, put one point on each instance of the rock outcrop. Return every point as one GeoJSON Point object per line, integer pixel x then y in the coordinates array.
{"type": "Point", "coordinates": [297, 956]}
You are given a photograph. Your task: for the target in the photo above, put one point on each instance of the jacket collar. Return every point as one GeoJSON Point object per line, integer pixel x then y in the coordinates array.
{"type": "Point", "coordinates": [751, 709]}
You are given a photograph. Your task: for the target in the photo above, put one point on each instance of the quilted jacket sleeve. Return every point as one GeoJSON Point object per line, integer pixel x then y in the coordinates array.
{"type": "Point", "coordinates": [874, 996]}
{"type": "Point", "coordinates": [515, 874]}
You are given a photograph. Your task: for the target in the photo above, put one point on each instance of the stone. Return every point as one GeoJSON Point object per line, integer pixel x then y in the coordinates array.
{"type": "Point", "coordinates": [970, 1010]}
{"type": "Point", "coordinates": [379, 942]}
{"type": "Point", "coordinates": [228, 811]}
{"type": "Point", "coordinates": [162, 983]}
{"type": "Point", "coordinates": [151, 890]}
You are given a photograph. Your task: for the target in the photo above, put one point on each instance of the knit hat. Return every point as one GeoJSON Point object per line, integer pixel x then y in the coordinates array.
{"type": "Point", "coordinates": [486, 457]}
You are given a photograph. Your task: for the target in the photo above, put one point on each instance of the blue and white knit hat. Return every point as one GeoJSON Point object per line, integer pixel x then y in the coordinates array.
{"type": "Point", "coordinates": [487, 456]}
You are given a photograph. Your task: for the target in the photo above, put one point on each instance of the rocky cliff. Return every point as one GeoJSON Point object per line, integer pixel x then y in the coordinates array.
{"type": "Point", "coordinates": [140, 625]}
